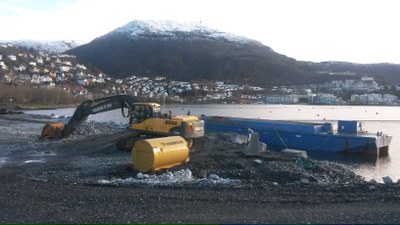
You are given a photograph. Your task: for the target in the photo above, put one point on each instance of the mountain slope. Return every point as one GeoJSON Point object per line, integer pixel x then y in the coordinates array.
{"type": "Point", "coordinates": [384, 73]}
{"type": "Point", "coordinates": [47, 46]}
{"type": "Point", "coordinates": [189, 52]}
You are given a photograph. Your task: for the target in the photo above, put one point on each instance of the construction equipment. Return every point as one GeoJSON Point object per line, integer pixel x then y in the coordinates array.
{"type": "Point", "coordinates": [145, 121]}
{"type": "Point", "coordinates": [159, 153]}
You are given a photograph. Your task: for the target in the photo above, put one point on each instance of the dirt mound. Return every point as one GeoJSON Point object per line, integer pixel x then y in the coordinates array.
{"type": "Point", "coordinates": [217, 154]}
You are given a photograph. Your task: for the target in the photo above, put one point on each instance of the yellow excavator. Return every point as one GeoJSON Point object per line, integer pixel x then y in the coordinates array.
{"type": "Point", "coordinates": [145, 121]}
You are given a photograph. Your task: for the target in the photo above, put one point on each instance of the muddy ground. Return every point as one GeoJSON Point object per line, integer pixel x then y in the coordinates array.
{"type": "Point", "coordinates": [85, 179]}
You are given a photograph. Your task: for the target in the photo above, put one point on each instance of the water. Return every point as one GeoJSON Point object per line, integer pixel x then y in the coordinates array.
{"type": "Point", "coordinates": [375, 119]}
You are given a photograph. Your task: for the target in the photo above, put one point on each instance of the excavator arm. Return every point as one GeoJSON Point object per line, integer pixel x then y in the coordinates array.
{"type": "Point", "coordinates": [82, 112]}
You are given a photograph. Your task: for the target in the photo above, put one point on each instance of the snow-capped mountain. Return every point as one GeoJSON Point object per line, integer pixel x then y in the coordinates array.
{"type": "Point", "coordinates": [188, 51]}
{"type": "Point", "coordinates": [47, 46]}
{"type": "Point", "coordinates": [173, 29]}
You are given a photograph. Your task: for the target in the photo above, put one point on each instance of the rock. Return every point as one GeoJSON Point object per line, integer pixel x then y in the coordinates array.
{"type": "Point", "coordinates": [238, 139]}
{"type": "Point", "coordinates": [183, 175]}
{"type": "Point", "coordinates": [263, 147]}
{"type": "Point", "coordinates": [213, 177]}
{"type": "Point", "coordinates": [142, 176]}
{"type": "Point", "coordinates": [372, 181]}
{"type": "Point", "coordinates": [304, 181]}
{"type": "Point", "coordinates": [387, 180]}
{"type": "Point", "coordinates": [371, 187]}
{"type": "Point", "coordinates": [253, 146]}
{"type": "Point", "coordinates": [258, 161]}
{"type": "Point", "coordinates": [313, 179]}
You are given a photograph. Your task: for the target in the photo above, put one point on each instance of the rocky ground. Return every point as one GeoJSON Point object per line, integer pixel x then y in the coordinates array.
{"type": "Point", "coordinates": [85, 179]}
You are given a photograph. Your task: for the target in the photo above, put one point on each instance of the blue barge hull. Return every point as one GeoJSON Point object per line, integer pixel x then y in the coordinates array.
{"type": "Point", "coordinates": [279, 135]}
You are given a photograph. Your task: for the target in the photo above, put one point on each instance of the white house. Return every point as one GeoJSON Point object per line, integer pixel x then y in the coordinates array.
{"type": "Point", "coordinates": [79, 66]}
{"type": "Point", "coordinates": [12, 57]}
{"type": "Point", "coordinates": [65, 68]}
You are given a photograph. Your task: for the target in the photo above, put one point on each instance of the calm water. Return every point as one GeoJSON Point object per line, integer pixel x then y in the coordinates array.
{"type": "Point", "coordinates": [375, 118]}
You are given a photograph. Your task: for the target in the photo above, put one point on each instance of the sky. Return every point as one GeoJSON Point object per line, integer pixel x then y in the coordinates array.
{"type": "Point", "coordinates": [359, 31]}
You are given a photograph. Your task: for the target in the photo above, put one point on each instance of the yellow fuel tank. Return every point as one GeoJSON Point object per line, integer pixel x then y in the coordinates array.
{"type": "Point", "coordinates": [159, 153]}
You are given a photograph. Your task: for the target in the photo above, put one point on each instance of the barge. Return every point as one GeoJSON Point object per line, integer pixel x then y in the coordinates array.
{"type": "Point", "coordinates": [308, 136]}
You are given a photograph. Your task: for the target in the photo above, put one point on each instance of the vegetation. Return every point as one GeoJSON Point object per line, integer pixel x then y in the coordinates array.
{"type": "Point", "coordinates": [34, 96]}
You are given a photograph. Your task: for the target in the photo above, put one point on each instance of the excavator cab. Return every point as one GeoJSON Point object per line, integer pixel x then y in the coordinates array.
{"type": "Point", "coordinates": [142, 111]}
{"type": "Point", "coordinates": [146, 119]}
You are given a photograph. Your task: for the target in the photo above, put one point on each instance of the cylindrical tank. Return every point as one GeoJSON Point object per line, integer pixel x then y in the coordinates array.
{"type": "Point", "coordinates": [159, 153]}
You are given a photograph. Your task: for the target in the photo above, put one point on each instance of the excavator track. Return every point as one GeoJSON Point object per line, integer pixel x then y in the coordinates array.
{"type": "Point", "coordinates": [126, 142]}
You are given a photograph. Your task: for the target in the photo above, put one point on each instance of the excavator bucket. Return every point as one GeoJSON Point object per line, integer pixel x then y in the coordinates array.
{"type": "Point", "coordinates": [52, 131]}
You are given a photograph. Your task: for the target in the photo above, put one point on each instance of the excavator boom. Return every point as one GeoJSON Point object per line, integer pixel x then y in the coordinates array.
{"type": "Point", "coordinates": [82, 112]}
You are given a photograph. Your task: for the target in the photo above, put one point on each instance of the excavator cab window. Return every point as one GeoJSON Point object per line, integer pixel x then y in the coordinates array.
{"type": "Point", "coordinates": [156, 112]}
{"type": "Point", "coordinates": [141, 113]}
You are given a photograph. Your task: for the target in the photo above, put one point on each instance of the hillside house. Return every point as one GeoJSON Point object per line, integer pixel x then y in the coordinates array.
{"type": "Point", "coordinates": [67, 63]}
{"type": "Point", "coordinates": [216, 96]}
{"type": "Point", "coordinates": [3, 66]}
{"type": "Point", "coordinates": [218, 83]}
{"type": "Point", "coordinates": [83, 82]}
{"type": "Point", "coordinates": [284, 99]}
{"type": "Point", "coordinates": [12, 57]}
{"type": "Point", "coordinates": [97, 80]}
{"type": "Point", "coordinates": [34, 70]}
{"type": "Point", "coordinates": [65, 68]}
{"type": "Point", "coordinates": [328, 99]}
{"type": "Point", "coordinates": [79, 66]}
{"type": "Point", "coordinates": [60, 76]}
{"type": "Point", "coordinates": [41, 79]}
{"type": "Point", "coordinates": [9, 78]}
{"type": "Point", "coordinates": [374, 99]}
{"type": "Point", "coordinates": [24, 78]}
{"type": "Point", "coordinates": [69, 76]}
{"type": "Point", "coordinates": [75, 89]}
{"type": "Point", "coordinates": [20, 68]}
{"type": "Point", "coordinates": [80, 75]}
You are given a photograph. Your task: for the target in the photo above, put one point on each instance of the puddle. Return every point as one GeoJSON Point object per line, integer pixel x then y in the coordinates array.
{"type": "Point", "coordinates": [34, 161]}
{"type": "Point", "coordinates": [41, 154]}
{"type": "Point", "coordinates": [3, 161]}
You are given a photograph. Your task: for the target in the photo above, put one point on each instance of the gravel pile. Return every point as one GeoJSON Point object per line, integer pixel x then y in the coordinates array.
{"type": "Point", "coordinates": [88, 127]}
{"type": "Point", "coordinates": [220, 155]}
{"type": "Point", "coordinates": [93, 127]}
